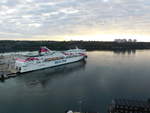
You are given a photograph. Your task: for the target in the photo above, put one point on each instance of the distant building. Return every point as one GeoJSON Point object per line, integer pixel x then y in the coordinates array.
{"type": "Point", "coordinates": [120, 40]}
{"type": "Point", "coordinates": [125, 40]}
{"type": "Point", "coordinates": [129, 106]}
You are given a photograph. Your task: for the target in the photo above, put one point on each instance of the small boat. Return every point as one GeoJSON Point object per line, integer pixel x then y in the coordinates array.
{"type": "Point", "coordinates": [47, 58]}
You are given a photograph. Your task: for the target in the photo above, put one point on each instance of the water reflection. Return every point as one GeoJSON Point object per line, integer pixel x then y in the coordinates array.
{"type": "Point", "coordinates": [129, 52]}
{"type": "Point", "coordinates": [43, 77]}
{"type": "Point", "coordinates": [79, 86]}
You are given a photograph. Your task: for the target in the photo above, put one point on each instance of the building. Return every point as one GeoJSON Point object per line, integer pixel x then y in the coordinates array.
{"type": "Point", "coordinates": [120, 40]}
{"type": "Point", "coordinates": [125, 40]}
{"type": "Point", "coordinates": [129, 106]}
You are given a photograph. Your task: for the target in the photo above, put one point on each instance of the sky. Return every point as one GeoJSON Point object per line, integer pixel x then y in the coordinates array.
{"type": "Point", "coordinates": [102, 20]}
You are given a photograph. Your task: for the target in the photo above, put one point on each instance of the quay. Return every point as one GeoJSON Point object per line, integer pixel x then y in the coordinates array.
{"type": "Point", "coordinates": [7, 63]}
{"type": "Point", "coordinates": [7, 66]}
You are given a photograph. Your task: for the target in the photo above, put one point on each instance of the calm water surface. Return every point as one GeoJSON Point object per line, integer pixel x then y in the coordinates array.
{"type": "Point", "coordinates": [85, 86]}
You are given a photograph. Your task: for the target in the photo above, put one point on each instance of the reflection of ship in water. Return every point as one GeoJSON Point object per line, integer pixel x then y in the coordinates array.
{"type": "Point", "coordinates": [44, 76]}
{"type": "Point", "coordinates": [126, 51]}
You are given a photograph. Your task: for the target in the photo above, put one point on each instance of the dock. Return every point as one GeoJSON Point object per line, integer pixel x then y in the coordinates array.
{"type": "Point", "coordinates": [7, 66]}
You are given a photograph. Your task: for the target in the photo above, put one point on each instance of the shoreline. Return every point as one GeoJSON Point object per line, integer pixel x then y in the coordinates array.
{"type": "Point", "coordinates": [30, 46]}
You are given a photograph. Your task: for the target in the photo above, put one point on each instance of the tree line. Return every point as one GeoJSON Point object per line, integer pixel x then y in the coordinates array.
{"type": "Point", "coordinates": [15, 46]}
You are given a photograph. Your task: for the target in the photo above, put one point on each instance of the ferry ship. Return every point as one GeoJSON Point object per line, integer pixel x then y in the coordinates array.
{"type": "Point", "coordinates": [48, 58]}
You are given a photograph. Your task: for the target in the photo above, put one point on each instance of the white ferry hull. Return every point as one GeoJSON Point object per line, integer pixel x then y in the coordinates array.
{"type": "Point", "coordinates": [33, 67]}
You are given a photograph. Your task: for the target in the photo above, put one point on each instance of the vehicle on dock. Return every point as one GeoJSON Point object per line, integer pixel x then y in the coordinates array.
{"type": "Point", "coordinates": [70, 111]}
{"type": "Point", "coordinates": [46, 58]}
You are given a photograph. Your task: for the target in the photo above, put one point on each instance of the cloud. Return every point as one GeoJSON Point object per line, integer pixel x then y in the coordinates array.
{"type": "Point", "coordinates": [105, 0]}
{"type": "Point", "coordinates": [33, 18]}
{"type": "Point", "coordinates": [9, 33]}
{"type": "Point", "coordinates": [49, 14]}
{"type": "Point", "coordinates": [36, 25]}
{"type": "Point", "coordinates": [69, 10]}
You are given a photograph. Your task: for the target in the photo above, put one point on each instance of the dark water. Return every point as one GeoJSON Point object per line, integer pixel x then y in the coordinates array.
{"type": "Point", "coordinates": [86, 86]}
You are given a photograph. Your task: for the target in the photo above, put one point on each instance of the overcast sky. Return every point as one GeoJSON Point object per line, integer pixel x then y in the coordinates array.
{"type": "Point", "coordinates": [74, 19]}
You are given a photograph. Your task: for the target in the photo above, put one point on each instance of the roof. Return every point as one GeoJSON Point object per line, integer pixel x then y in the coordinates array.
{"type": "Point", "coordinates": [128, 102]}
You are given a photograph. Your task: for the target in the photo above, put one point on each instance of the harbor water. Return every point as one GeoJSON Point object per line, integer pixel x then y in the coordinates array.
{"type": "Point", "coordinates": [82, 86]}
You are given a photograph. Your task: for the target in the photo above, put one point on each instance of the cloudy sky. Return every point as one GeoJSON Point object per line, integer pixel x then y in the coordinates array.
{"type": "Point", "coordinates": [74, 19]}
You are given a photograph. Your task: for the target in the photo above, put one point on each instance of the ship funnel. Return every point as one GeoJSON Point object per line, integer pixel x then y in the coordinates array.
{"type": "Point", "coordinates": [44, 50]}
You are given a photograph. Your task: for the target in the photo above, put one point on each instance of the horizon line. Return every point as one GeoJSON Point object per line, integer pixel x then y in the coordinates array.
{"type": "Point", "coordinates": [71, 40]}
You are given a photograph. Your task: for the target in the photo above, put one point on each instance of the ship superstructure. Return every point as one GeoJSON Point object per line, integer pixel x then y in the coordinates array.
{"type": "Point", "coordinates": [47, 58]}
